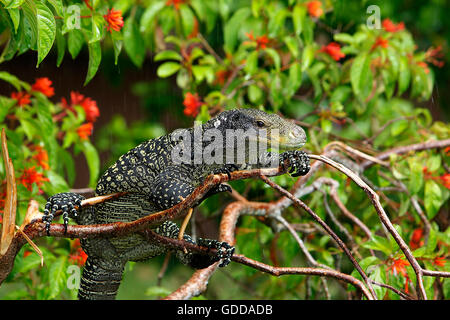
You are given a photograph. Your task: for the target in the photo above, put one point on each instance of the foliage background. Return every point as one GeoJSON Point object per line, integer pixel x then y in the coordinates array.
{"type": "Point", "coordinates": [139, 98]}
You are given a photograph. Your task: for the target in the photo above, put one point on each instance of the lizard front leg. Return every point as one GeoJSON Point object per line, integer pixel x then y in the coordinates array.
{"type": "Point", "coordinates": [193, 259]}
{"type": "Point", "coordinates": [296, 162]}
{"type": "Point", "coordinates": [65, 202]}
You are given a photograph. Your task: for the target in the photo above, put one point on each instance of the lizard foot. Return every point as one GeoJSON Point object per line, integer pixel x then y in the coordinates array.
{"type": "Point", "coordinates": [298, 162]}
{"type": "Point", "coordinates": [227, 169]}
{"type": "Point", "coordinates": [224, 250]}
{"type": "Point", "coordinates": [65, 202]}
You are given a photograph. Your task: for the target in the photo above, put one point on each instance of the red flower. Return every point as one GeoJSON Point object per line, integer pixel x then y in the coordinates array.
{"type": "Point", "coordinates": [222, 76]}
{"type": "Point", "coordinates": [416, 239]}
{"type": "Point", "coordinates": [79, 256]}
{"type": "Point", "coordinates": [399, 266]}
{"type": "Point", "coordinates": [114, 19]}
{"type": "Point", "coordinates": [333, 49]}
{"type": "Point", "coordinates": [389, 26]}
{"type": "Point", "coordinates": [22, 98]}
{"type": "Point", "coordinates": [175, 3]}
{"type": "Point", "coordinates": [433, 54]}
{"type": "Point", "coordinates": [41, 157]}
{"type": "Point", "coordinates": [191, 104]}
{"type": "Point", "coordinates": [424, 66]}
{"type": "Point", "coordinates": [439, 261]}
{"type": "Point", "coordinates": [446, 180]}
{"type": "Point", "coordinates": [30, 176]}
{"type": "Point", "coordinates": [261, 41]}
{"type": "Point", "coordinates": [91, 109]}
{"type": "Point", "coordinates": [90, 106]}
{"type": "Point", "coordinates": [44, 85]}
{"type": "Point", "coordinates": [380, 42]}
{"type": "Point", "coordinates": [85, 130]}
{"type": "Point", "coordinates": [315, 8]}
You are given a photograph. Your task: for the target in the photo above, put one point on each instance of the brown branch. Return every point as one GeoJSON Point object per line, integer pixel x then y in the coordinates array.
{"type": "Point", "coordinates": [197, 283]}
{"type": "Point", "coordinates": [9, 215]}
{"type": "Point", "coordinates": [322, 223]}
{"type": "Point", "coordinates": [434, 144]}
{"type": "Point", "coordinates": [387, 223]}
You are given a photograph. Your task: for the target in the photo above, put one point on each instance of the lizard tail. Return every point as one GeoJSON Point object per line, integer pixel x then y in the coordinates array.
{"type": "Point", "coordinates": [100, 280]}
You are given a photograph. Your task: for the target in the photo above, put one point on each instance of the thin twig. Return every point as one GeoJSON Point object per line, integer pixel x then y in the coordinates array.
{"type": "Point", "coordinates": [322, 223]}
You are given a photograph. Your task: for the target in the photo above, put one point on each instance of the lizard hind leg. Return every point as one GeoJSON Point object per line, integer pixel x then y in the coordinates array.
{"type": "Point", "coordinates": [100, 280]}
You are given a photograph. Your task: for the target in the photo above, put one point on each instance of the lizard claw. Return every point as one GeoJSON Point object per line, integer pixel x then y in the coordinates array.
{"type": "Point", "coordinates": [65, 202]}
{"type": "Point", "coordinates": [224, 250]}
{"type": "Point", "coordinates": [298, 162]}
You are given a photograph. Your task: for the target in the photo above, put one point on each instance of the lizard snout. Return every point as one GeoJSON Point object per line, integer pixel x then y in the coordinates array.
{"type": "Point", "coordinates": [297, 136]}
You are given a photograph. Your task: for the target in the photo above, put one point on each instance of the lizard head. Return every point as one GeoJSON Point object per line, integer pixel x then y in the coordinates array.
{"type": "Point", "coordinates": [270, 127]}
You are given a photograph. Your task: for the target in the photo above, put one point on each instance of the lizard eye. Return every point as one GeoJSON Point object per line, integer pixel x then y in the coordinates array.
{"type": "Point", "coordinates": [260, 123]}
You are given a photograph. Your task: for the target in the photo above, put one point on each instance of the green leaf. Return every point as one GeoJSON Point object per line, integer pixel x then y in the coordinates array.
{"type": "Point", "coordinates": [432, 241]}
{"type": "Point", "coordinates": [398, 127]}
{"type": "Point", "coordinates": [57, 183]}
{"type": "Point", "coordinates": [149, 15]}
{"type": "Point", "coordinates": [433, 198]}
{"type": "Point", "coordinates": [167, 69]}
{"type": "Point", "coordinates": [29, 12]}
{"type": "Point", "coordinates": [255, 94]}
{"type": "Point", "coordinates": [203, 72]}
{"type": "Point", "coordinates": [14, 14]}
{"type": "Point", "coordinates": [46, 27]}
{"type": "Point", "coordinates": [12, 3]}
{"type": "Point", "coordinates": [298, 17]}
{"type": "Point", "coordinates": [117, 40]}
{"type": "Point", "coordinates": [292, 45]}
{"type": "Point", "coordinates": [379, 243]}
{"type": "Point", "coordinates": [187, 19]}
{"type": "Point", "coordinates": [251, 65]}
{"type": "Point", "coordinates": [168, 55]}
{"type": "Point", "coordinates": [96, 28]}
{"type": "Point", "coordinates": [361, 76]}
{"type": "Point", "coordinates": [95, 57]}
{"type": "Point", "coordinates": [416, 176]}
{"type": "Point", "coordinates": [433, 163]}
{"type": "Point", "coordinates": [275, 57]}
{"type": "Point", "coordinates": [326, 125]}
{"type": "Point", "coordinates": [276, 23]}
{"type": "Point", "coordinates": [18, 84]}
{"type": "Point", "coordinates": [93, 162]}
{"type": "Point", "coordinates": [295, 78]}
{"type": "Point", "coordinates": [133, 42]}
{"type": "Point", "coordinates": [75, 42]}
{"type": "Point", "coordinates": [233, 26]}
{"type": "Point", "coordinates": [422, 83]}
{"type": "Point", "coordinates": [379, 275]}
{"type": "Point", "coordinates": [343, 37]}
{"type": "Point", "coordinates": [5, 105]}
{"type": "Point", "coordinates": [307, 57]}
{"type": "Point", "coordinates": [60, 46]}
{"type": "Point", "coordinates": [57, 276]}
{"type": "Point", "coordinates": [58, 6]}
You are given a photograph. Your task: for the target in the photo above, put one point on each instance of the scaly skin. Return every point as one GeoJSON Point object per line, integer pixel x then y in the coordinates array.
{"type": "Point", "coordinates": [155, 182]}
